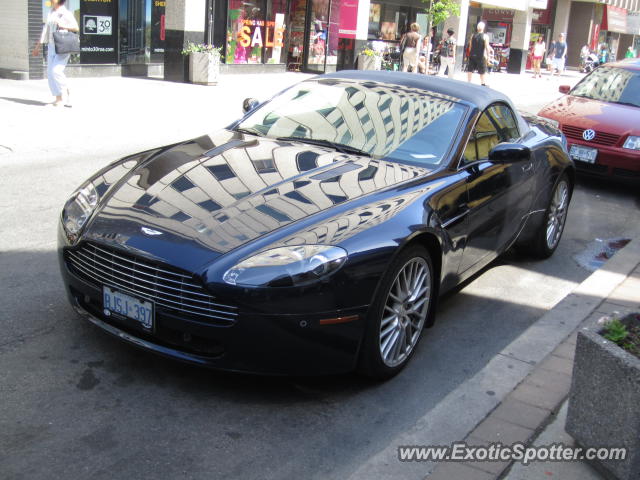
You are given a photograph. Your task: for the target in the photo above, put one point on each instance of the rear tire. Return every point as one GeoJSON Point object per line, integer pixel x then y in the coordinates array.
{"type": "Point", "coordinates": [548, 236]}
{"type": "Point", "coordinates": [398, 314]}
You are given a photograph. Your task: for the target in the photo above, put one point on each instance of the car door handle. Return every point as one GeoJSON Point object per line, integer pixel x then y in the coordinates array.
{"type": "Point", "coordinates": [527, 168]}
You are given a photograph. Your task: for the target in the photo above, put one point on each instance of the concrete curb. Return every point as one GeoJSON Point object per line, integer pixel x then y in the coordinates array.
{"type": "Point", "coordinates": [516, 393]}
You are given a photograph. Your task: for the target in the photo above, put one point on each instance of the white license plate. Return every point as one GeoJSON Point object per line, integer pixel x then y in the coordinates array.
{"type": "Point", "coordinates": [583, 154]}
{"type": "Point", "coordinates": [128, 306]}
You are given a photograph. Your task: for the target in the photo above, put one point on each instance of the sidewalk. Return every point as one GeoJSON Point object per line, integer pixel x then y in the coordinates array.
{"type": "Point", "coordinates": [535, 411]}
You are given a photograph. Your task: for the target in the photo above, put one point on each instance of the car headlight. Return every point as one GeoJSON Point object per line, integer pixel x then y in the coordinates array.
{"type": "Point", "coordinates": [287, 266]}
{"type": "Point", "coordinates": [78, 209]}
{"type": "Point", "coordinates": [632, 143]}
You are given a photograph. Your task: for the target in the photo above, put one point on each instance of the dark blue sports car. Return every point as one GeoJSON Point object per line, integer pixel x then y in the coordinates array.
{"type": "Point", "coordinates": [315, 234]}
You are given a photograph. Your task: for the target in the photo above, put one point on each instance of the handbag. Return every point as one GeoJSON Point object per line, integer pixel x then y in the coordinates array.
{"type": "Point", "coordinates": [66, 42]}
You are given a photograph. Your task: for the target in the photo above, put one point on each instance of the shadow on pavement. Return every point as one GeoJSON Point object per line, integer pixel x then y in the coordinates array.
{"type": "Point", "coordinates": [23, 101]}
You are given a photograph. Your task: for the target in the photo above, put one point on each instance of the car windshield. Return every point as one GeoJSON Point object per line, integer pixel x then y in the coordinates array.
{"type": "Point", "coordinates": [611, 84]}
{"type": "Point", "coordinates": [381, 120]}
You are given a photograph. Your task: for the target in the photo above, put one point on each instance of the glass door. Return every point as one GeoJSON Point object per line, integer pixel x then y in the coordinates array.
{"type": "Point", "coordinates": [317, 39]}
{"type": "Point", "coordinates": [296, 45]}
{"type": "Point", "coordinates": [134, 19]}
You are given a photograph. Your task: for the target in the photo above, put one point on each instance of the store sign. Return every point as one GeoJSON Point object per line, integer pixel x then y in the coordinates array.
{"type": "Point", "coordinates": [258, 33]}
{"type": "Point", "coordinates": [348, 25]}
{"type": "Point", "coordinates": [510, 4]}
{"type": "Point", "coordinates": [616, 19]}
{"type": "Point", "coordinates": [158, 30]}
{"type": "Point", "coordinates": [98, 39]}
{"type": "Point", "coordinates": [97, 25]}
{"type": "Point", "coordinates": [498, 15]}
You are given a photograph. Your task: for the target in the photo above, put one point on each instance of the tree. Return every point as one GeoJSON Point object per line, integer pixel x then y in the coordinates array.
{"type": "Point", "coordinates": [440, 10]}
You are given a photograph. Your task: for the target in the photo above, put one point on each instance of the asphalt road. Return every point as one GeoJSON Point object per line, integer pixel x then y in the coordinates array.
{"type": "Point", "coordinates": [75, 403]}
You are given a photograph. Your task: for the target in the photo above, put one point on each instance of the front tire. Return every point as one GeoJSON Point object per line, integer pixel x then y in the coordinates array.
{"type": "Point", "coordinates": [548, 235]}
{"type": "Point", "coordinates": [397, 316]}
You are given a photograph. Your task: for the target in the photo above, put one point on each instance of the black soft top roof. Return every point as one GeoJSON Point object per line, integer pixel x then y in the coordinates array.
{"type": "Point", "coordinates": [468, 92]}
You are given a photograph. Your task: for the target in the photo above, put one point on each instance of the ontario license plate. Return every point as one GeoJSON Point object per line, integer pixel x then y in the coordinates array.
{"type": "Point", "coordinates": [117, 302]}
{"type": "Point", "coordinates": [583, 154]}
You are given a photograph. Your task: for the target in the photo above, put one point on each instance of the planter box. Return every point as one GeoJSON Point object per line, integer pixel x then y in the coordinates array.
{"type": "Point", "coordinates": [204, 68]}
{"type": "Point", "coordinates": [365, 62]}
{"type": "Point", "coordinates": [604, 401]}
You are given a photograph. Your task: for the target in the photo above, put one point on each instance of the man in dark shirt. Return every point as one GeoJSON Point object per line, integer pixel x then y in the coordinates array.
{"type": "Point", "coordinates": [478, 54]}
{"type": "Point", "coordinates": [559, 55]}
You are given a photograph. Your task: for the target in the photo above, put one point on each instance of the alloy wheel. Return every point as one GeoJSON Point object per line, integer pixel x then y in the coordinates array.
{"type": "Point", "coordinates": [557, 214]}
{"type": "Point", "coordinates": [405, 311]}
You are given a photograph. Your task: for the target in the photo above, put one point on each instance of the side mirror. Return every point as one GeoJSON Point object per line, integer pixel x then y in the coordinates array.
{"type": "Point", "coordinates": [249, 104]}
{"type": "Point", "coordinates": [564, 89]}
{"type": "Point", "coordinates": [509, 152]}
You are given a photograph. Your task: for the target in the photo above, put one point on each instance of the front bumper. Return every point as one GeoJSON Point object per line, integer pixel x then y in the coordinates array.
{"type": "Point", "coordinates": [611, 161]}
{"type": "Point", "coordinates": [258, 342]}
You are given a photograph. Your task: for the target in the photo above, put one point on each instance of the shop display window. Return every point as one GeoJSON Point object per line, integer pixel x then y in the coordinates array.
{"type": "Point", "coordinates": [318, 34]}
{"type": "Point", "coordinates": [255, 34]}
{"type": "Point", "coordinates": [387, 22]}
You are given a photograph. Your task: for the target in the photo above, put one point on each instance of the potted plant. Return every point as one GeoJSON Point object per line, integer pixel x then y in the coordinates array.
{"type": "Point", "coordinates": [204, 63]}
{"type": "Point", "coordinates": [605, 391]}
{"type": "Point", "coordinates": [369, 59]}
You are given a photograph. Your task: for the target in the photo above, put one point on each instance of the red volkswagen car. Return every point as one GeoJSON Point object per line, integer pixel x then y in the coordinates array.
{"type": "Point", "coordinates": [600, 117]}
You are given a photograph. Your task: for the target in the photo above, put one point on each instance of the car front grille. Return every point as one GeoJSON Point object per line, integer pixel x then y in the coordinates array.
{"type": "Point", "coordinates": [169, 288]}
{"type": "Point", "coordinates": [601, 138]}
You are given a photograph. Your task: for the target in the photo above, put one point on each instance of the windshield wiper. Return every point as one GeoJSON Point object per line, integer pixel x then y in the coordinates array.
{"type": "Point", "coordinates": [342, 148]}
{"type": "Point", "coordinates": [249, 131]}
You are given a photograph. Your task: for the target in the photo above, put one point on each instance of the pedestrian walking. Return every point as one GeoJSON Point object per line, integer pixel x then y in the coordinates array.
{"type": "Point", "coordinates": [478, 54]}
{"type": "Point", "coordinates": [59, 19]}
{"type": "Point", "coordinates": [539, 48]}
{"type": "Point", "coordinates": [559, 55]}
{"type": "Point", "coordinates": [448, 54]}
{"type": "Point", "coordinates": [411, 43]}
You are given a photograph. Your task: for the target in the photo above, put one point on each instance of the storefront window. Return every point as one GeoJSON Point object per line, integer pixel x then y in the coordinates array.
{"type": "Point", "coordinates": [255, 35]}
{"type": "Point", "coordinates": [274, 32]}
{"type": "Point", "coordinates": [296, 35]}
{"type": "Point", "coordinates": [387, 21]}
{"type": "Point", "coordinates": [318, 35]}
{"type": "Point", "coordinates": [244, 32]}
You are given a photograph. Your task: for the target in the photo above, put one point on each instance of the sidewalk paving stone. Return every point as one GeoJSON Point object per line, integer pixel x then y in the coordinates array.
{"type": "Point", "coordinates": [494, 429]}
{"type": "Point", "coordinates": [565, 350]}
{"type": "Point", "coordinates": [557, 364]}
{"type": "Point", "coordinates": [548, 379]}
{"type": "Point", "coordinates": [519, 413]}
{"type": "Point", "coordinates": [538, 397]}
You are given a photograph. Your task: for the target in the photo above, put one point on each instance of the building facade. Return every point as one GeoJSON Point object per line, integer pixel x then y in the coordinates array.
{"type": "Point", "coordinates": [146, 37]}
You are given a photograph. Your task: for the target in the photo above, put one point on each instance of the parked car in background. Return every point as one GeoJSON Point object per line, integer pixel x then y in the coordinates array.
{"type": "Point", "coordinates": [315, 234]}
{"type": "Point", "coordinates": [600, 117]}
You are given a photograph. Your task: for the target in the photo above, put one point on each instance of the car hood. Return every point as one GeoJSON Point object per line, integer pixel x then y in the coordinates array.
{"type": "Point", "coordinates": [219, 192]}
{"type": "Point", "coordinates": [586, 113]}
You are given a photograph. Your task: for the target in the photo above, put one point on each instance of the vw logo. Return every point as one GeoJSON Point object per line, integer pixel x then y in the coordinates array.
{"type": "Point", "coordinates": [150, 231]}
{"type": "Point", "coordinates": [588, 135]}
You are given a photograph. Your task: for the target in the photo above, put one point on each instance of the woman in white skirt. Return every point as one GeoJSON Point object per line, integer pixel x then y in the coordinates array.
{"type": "Point", "coordinates": [412, 42]}
{"type": "Point", "coordinates": [59, 19]}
